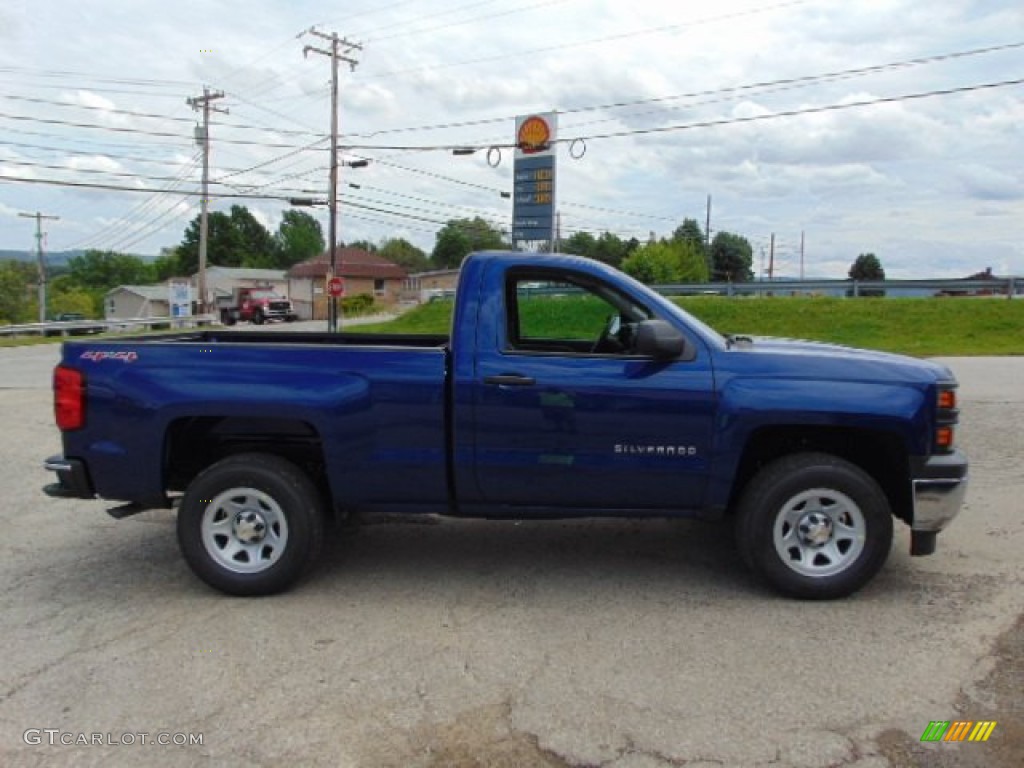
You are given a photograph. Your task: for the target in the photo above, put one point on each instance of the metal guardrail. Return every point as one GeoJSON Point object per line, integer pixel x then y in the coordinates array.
{"type": "Point", "coordinates": [999, 286]}
{"type": "Point", "coordinates": [86, 327]}
{"type": "Point", "coordinates": [1008, 286]}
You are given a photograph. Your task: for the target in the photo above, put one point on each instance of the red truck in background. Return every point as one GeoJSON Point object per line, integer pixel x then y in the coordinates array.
{"type": "Point", "coordinates": [255, 305]}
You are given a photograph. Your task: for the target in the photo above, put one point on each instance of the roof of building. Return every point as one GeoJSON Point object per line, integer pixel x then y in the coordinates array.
{"type": "Point", "coordinates": [436, 273]}
{"type": "Point", "coordinates": [148, 292]}
{"type": "Point", "coordinates": [352, 262]}
{"type": "Point", "coordinates": [244, 273]}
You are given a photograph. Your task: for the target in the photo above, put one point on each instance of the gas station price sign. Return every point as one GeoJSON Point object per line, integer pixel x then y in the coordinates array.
{"type": "Point", "coordinates": [533, 189]}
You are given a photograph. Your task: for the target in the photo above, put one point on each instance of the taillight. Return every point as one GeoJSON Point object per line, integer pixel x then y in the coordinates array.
{"type": "Point", "coordinates": [68, 398]}
{"type": "Point", "coordinates": [946, 417]}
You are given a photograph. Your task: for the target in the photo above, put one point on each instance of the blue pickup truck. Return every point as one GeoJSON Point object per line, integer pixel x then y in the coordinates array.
{"type": "Point", "coordinates": [565, 389]}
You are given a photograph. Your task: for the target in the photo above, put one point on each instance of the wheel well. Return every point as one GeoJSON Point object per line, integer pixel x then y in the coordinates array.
{"type": "Point", "coordinates": [195, 443]}
{"type": "Point", "coordinates": [881, 454]}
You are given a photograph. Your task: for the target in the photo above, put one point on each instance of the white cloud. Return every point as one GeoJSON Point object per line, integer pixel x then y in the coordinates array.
{"type": "Point", "coordinates": [926, 184]}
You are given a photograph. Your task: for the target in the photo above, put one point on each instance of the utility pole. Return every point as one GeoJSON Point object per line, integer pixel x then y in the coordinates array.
{"type": "Point", "coordinates": [801, 254]}
{"type": "Point", "coordinates": [707, 242]}
{"type": "Point", "coordinates": [203, 139]}
{"type": "Point", "coordinates": [771, 258]}
{"type": "Point", "coordinates": [336, 42]}
{"type": "Point", "coordinates": [40, 258]}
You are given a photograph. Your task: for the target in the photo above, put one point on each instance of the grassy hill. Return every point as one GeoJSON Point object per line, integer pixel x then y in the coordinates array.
{"type": "Point", "coordinates": [920, 327]}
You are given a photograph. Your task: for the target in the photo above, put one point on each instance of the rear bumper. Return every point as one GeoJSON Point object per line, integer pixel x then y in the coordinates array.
{"type": "Point", "coordinates": [72, 479]}
{"type": "Point", "coordinates": [940, 484]}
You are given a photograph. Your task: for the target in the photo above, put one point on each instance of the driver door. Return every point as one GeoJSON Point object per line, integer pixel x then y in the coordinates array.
{"type": "Point", "coordinates": [566, 415]}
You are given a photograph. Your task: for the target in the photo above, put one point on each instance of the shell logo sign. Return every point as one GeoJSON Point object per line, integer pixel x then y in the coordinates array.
{"type": "Point", "coordinates": [534, 135]}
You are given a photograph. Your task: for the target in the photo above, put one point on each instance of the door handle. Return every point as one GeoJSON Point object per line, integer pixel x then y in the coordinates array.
{"type": "Point", "coordinates": [510, 380]}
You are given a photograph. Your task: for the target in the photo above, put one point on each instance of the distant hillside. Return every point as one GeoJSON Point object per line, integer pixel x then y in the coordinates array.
{"type": "Point", "coordinates": [53, 258]}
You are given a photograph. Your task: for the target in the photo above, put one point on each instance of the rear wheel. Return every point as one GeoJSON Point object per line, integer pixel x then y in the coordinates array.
{"type": "Point", "coordinates": [814, 526]}
{"type": "Point", "coordinates": [250, 524]}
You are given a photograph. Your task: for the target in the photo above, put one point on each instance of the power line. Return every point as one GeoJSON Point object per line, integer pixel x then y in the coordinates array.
{"type": "Point", "coordinates": [593, 41]}
{"type": "Point", "coordinates": [124, 188]}
{"type": "Point", "coordinates": [99, 171]}
{"type": "Point", "coordinates": [439, 27]}
{"type": "Point", "coordinates": [150, 228]}
{"type": "Point", "coordinates": [61, 73]}
{"type": "Point", "coordinates": [93, 153]}
{"type": "Point", "coordinates": [806, 79]}
{"type": "Point", "coordinates": [126, 220]}
{"type": "Point", "coordinates": [701, 124]}
{"type": "Point", "coordinates": [802, 111]}
{"type": "Point", "coordinates": [108, 110]}
{"type": "Point", "coordinates": [154, 116]}
{"type": "Point", "coordinates": [137, 131]}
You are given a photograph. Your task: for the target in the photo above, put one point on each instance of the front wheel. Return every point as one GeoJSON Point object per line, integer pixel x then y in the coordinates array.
{"type": "Point", "coordinates": [814, 526]}
{"type": "Point", "coordinates": [250, 524]}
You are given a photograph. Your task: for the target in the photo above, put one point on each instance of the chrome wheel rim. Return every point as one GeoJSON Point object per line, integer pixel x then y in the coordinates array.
{"type": "Point", "coordinates": [244, 530]}
{"type": "Point", "coordinates": [819, 532]}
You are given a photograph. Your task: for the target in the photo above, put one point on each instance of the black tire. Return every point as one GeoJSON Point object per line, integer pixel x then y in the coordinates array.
{"type": "Point", "coordinates": [257, 317]}
{"type": "Point", "coordinates": [251, 524]}
{"type": "Point", "coordinates": [814, 526]}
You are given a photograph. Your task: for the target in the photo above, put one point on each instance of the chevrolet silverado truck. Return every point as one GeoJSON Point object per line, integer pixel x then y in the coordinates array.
{"type": "Point", "coordinates": [564, 389]}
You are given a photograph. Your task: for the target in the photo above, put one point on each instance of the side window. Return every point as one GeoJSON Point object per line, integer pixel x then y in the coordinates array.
{"type": "Point", "coordinates": [553, 313]}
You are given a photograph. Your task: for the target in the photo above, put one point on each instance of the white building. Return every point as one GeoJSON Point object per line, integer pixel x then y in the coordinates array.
{"type": "Point", "coordinates": [130, 301]}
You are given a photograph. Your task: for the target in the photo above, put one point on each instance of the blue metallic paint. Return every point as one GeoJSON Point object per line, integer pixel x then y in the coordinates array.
{"type": "Point", "coordinates": [416, 428]}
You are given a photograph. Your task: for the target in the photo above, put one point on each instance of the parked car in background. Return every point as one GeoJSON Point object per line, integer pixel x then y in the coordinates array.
{"type": "Point", "coordinates": [77, 325]}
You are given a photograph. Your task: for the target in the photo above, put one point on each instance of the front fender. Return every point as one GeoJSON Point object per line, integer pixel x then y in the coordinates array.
{"type": "Point", "coordinates": [750, 404]}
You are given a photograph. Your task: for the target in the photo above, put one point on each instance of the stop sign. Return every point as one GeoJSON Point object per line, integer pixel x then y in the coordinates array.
{"type": "Point", "coordinates": [336, 286]}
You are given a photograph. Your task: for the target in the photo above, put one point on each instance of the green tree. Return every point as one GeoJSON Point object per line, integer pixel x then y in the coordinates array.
{"type": "Point", "coordinates": [167, 265]}
{"type": "Point", "coordinates": [867, 267]}
{"type": "Point", "coordinates": [580, 244]}
{"type": "Point", "coordinates": [259, 246]}
{"type": "Point", "coordinates": [459, 237]}
{"type": "Point", "coordinates": [234, 240]}
{"type": "Point", "coordinates": [103, 270]}
{"type": "Point", "coordinates": [362, 245]}
{"type": "Point", "coordinates": [731, 258]}
{"type": "Point", "coordinates": [299, 237]}
{"type": "Point", "coordinates": [666, 261]}
{"type": "Point", "coordinates": [17, 281]}
{"type": "Point", "coordinates": [607, 247]}
{"type": "Point", "coordinates": [404, 254]}
{"type": "Point", "coordinates": [612, 249]}
{"type": "Point", "coordinates": [64, 296]}
{"type": "Point", "coordinates": [690, 232]}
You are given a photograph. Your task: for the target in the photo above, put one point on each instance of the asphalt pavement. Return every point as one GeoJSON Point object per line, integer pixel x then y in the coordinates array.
{"type": "Point", "coordinates": [469, 643]}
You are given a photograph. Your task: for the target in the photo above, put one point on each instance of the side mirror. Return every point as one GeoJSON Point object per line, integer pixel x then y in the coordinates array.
{"type": "Point", "coordinates": [658, 339]}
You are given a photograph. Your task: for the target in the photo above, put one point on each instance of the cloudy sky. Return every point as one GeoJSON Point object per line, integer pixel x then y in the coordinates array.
{"type": "Point", "coordinates": [884, 126]}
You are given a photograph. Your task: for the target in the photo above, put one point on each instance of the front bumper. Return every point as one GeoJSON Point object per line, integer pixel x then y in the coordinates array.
{"type": "Point", "coordinates": [940, 484]}
{"type": "Point", "coordinates": [72, 479]}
